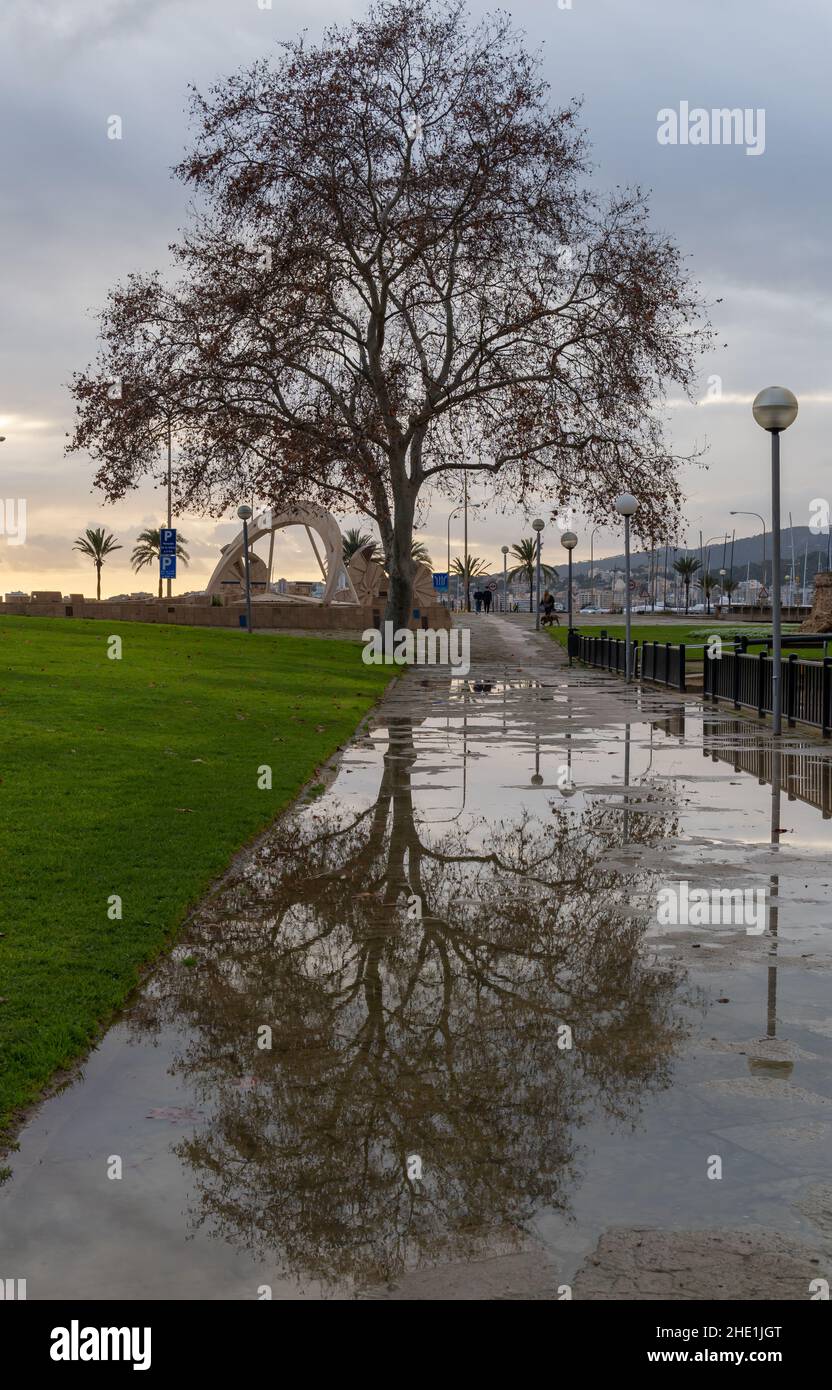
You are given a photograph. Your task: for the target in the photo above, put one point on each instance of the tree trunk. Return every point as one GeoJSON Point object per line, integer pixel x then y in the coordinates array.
{"type": "Point", "coordinates": [98, 581]}
{"type": "Point", "coordinates": [160, 579]}
{"type": "Point", "coordinates": [399, 608]}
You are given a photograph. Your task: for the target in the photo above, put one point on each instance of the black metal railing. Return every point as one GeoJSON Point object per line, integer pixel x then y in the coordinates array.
{"type": "Point", "coordinates": [664, 663]}
{"type": "Point", "coordinates": [805, 775]}
{"type": "Point", "coordinates": [657, 661]}
{"type": "Point", "coordinates": [746, 681]}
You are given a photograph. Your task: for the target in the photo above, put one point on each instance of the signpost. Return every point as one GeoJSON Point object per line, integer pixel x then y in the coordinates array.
{"type": "Point", "coordinates": [167, 553]}
{"type": "Point", "coordinates": [440, 581]}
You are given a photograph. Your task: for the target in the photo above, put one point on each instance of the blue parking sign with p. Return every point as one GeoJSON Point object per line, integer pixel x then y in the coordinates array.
{"type": "Point", "coordinates": [168, 566]}
{"type": "Point", "coordinates": [167, 540]}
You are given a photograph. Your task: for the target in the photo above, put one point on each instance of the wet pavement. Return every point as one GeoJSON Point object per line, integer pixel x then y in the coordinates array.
{"type": "Point", "coordinates": [429, 1039]}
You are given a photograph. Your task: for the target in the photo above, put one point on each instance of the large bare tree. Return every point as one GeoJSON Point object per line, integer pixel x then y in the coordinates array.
{"type": "Point", "coordinates": [397, 270]}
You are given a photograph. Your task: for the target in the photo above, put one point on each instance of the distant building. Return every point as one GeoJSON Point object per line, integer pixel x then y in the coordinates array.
{"type": "Point", "coordinates": [304, 588]}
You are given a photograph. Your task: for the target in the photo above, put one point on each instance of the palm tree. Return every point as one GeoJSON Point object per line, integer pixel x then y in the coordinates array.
{"type": "Point", "coordinates": [686, 566]}
{"type": "Point", "coordinates": [728, 587]}
{"type": "Point", "coordinates": [419, 552]}
{"type": "Point", "coordinates": [148, 549]}
{"type": "Point", "coordinates": [355, 540]}
{"type": "Point", "coordinates": [526, 553]}
{"type": "Point", "coordinates": [97, 544]}
{"type": "Point", "coordinates": [709, 583]}
{"type": "Point", "coordinates": [476, 567]}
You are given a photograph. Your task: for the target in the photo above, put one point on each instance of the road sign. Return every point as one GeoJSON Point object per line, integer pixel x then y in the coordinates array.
{"type": "Point", "coordinates": [167, 540]}
{"type": "Point", "coordinates": [440, 580]}
{"type": "Point", "coordinates": [167, 565]}
{"type": "Point", "coordinates": [493, 586]}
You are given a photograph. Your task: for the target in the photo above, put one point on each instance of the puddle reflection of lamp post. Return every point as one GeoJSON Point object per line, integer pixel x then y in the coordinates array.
{"type": "Point", "coordinates": [244, 513]}
{"type": "Point", "coordinates": [568, 789]}
{"type": "Point", "coordinates": [537, 525]}
{"type": "Point", "coordinates": [626, 784]}
{"type": "Point", "coordinates": [778, 1066]}
{"type": "Point", "coordinates": [569, 540]}
{"type": "Point", "coordinates": [626, 506]}
{"type": "Point", "coordinates": [537, 780]}
{"type": "Point", "coordinates": [775, 409]}
{"type": "Point", "coordinates": [774, 887]}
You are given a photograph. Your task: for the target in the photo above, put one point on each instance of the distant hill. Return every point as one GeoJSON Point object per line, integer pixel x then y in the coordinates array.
{"type": "Point", "coordinates": [747, 550]}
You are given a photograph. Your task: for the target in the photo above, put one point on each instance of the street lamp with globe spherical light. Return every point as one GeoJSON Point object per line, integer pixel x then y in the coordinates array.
{"type": "Point", "coordinates": [538, 525]}
{"type": "Point", "coordinates": [504, 550]}
{"type": "Point", "coordinates": [244, 512]}
{"type": "Point", "coordinates": [774, 409]}
{"type": "Point", "coordinates": [569, 540]}
{"type": "Point", "coordinates": [626, 506]}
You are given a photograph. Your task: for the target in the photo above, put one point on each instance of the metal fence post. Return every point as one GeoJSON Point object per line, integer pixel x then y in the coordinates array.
{"type": "Point", "coordinates": [791, 701]}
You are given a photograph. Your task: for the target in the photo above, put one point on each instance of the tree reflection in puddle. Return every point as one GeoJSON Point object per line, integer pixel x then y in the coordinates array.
{"type": "Point", "coordinates": [419, 993]}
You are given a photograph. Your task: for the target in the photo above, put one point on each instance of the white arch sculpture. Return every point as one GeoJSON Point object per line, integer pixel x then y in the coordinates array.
{"type": "Point", "coordinates": [230, 567]}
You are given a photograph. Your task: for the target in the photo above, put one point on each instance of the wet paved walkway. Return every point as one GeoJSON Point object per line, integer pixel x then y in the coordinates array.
{"type": "Point", "coordinates": [429, 1039]}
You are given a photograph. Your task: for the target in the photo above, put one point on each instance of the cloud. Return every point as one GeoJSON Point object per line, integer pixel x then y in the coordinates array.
{"type": "Point", "coordinates": [80, 21]}
{"type": "Point", "coordinates": [80, 212]}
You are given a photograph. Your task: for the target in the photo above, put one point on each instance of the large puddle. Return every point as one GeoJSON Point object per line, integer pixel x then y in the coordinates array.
{"type": "Point", "coordinates": [433, 1022]}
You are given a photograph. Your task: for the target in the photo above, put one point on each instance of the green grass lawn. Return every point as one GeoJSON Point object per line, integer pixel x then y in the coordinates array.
{"type": "Point", "coordinates": [137, 777]}
{"type": "Point", "coordinates": [693, 634]}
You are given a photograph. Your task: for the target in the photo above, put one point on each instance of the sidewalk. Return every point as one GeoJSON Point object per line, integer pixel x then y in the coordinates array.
{"type": "Point", "coordinates": [488, 1071]}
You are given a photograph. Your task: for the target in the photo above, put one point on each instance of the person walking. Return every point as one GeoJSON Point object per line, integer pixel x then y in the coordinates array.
{"type": "Point", "coordinates": [547, 604]}
{"type": "Point", "coordinates": [477, 600]}
{"type": "Point", "coordinates": [487, 596]}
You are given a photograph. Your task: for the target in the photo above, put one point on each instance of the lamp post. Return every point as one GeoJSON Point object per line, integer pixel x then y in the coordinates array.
{"type": "Point", "coordinates": [592, 564]}
{"type": "Point", "coordinates": [465, 542]}
{"type": "Point", "coordinates": [775, 409]}
{"type": "Point", "coordinates": [763, 524]}
{"type": "Point", "coordinates": [170, 470]}
{"type": "Point", "coordinates": [504, 550]}
{"type": "Point", "coordinates": [537, 524]}
{"type": "Point", "coordinates": [454, 513]}
{"type": "Point", "coordinates": [244, 513]}
{"type": "Point", "coordinates": [722, 574]}
{"type": "Point", "coordinates": [569, 540]}
{"type": "Point", "coordinates": [626, 506]}
{"type": "Point", "coordinates": [706, 551]}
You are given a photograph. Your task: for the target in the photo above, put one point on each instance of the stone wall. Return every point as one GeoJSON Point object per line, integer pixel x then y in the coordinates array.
{"type": "Point", "coordinates": [265, 616]}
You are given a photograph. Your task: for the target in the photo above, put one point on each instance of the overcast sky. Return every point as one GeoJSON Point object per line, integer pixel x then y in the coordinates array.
{"type": "Point", "coordinates": [80, 211]}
